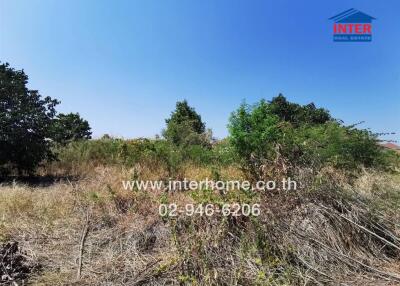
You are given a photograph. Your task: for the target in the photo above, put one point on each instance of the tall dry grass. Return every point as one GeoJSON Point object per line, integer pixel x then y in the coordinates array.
{"type": "Point", "coordinates": [332, 231]}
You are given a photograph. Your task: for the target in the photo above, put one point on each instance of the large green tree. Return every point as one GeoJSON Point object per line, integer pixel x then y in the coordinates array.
{"type": "Point", "coordinates": [70, 127]}
{"type": "Point", "coordinates": [26, 120]}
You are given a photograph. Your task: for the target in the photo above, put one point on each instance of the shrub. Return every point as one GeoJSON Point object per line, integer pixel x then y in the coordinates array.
{"type": "Point", "coordinates": [224, 154]}
{"type": "Point", "coordinates": [282, 135]}
{"type": "Point", "coordinates": [254, 130]}
{"type": "Point", "coordinates": [340, 146]}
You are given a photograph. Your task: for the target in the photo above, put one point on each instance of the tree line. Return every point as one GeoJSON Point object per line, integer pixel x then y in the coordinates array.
{"type": "Point", "coordinates": [265, 137]}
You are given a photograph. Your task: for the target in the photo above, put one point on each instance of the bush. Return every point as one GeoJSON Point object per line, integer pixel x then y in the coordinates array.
{"type": "Point", "coordinates": [254, 130]}
{"type": "Point", "coordinates": [147, 152]}
{"type": "Point", "coordinates": [224, 154]}
{"type": "Point", "coordinates": [268, 137]}
{"type": "Point", "coordinates": [340, 146]}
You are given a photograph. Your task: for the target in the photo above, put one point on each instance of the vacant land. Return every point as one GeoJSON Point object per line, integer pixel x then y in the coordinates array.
{"type": "Point", "coordinates": [67, 216]}
{"type": "Point", "coordinates": [336, 228]}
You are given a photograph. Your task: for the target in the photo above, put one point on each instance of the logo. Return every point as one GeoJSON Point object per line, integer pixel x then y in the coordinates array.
{"type": "Point", "coordinates": [352, 26]}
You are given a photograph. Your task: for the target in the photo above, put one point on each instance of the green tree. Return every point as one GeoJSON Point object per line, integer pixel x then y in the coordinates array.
{"type": "Point", "coordinates": [70, 127]}
{"type": "Point", "coordinates": [281, 136]}
{"type": "Point", "coordinates": [185, 126]}
{"type": "Point", "coordinates": [26, 119]}
{"type": "Point", "coordinates": [298, 114]}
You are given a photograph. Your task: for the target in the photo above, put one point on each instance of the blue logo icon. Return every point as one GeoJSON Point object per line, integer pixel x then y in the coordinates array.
{"type": "Point", "coordinates": [352, 26]}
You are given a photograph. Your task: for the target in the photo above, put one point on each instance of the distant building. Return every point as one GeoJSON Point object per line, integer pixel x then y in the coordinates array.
{"type": "Point", "coordinates": [391, 146]}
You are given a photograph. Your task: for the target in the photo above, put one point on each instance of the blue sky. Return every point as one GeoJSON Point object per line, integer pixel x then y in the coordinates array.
{"type": "Point", "coordinates": [123, 64]}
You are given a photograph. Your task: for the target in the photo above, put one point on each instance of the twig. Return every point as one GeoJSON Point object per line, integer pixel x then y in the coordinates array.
{"type": "Point", "coordinates": [141, 277]}
{"type": "Point", "coordinates": [82, 245]}
{"type": "Point", "coordinates": [368, 231]}
{"type": "Point", "coordinates": [314, 269]}
{"type": "Point", "coordinates": [371, 232]}
{"type": "Point", "coordinates": [391, 275]}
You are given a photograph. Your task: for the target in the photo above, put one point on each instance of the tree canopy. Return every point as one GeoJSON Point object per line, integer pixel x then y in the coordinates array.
{"type": "Point", "coordinates": [298, 114]}
{"type": "Point", "coordinates": [185, 126]}
{"type": "Point", "coordinates": [29, 124]}
{"type": "Point", "coordinates": [70, 127]}
{"type": "Point", "coordinates": [25, 121]}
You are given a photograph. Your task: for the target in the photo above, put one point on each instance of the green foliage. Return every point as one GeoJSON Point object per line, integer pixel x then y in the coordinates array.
{"type": "Point", "coordinates": [298, 114]}
{"type": "Point", "coordinates": [331, 144]}
{"type": "Point", "coordinates": [25, 122]}
{"type": "Point", "coordinates": [103, 151]}
{"type": "Point", "coordinates": [185, 127]}
{"type": "Point", "coordinates": [254, 130]}
{"type": "Point", "coordinates": [275, 133]}
{"type": "Point", "coordinates": [70, 127]}
{"type": "Point", "coordinates": [224, 154]}
{"type": "Point", "coordinates": [109, 151]}
{"type": "Point", "coordinates": [299, 136]}
{"type": "Point", "coordinates": [185, 113]}
{"type": "Point", "coordinates": [337, 145]}
{"type": "Point", "coordinates": [149, 152]}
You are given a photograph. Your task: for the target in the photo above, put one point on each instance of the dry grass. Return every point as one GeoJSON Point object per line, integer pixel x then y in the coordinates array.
{"type": "Point", "coordinates": [316, 236]}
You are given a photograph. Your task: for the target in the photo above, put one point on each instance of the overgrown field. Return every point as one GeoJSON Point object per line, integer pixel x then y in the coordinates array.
{"type": "Point", "coordinates": [66, 218]}
{"type": "Point", "coordinates": [81, 227]}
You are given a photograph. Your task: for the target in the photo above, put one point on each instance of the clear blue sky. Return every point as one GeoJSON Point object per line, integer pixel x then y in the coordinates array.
{"type": "Point", "coordinates": [123, 64]}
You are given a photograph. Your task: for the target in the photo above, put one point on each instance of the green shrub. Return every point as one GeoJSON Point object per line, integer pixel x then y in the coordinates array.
{"type": "Point", "coordinates": [339, 146]}
{"type": "Point", "coordinates": [266, 134]}
{"type": "Point", "coordinates": [254, 132]}
{"type": "Point", "coordinates": [112, 151]}
{"type": "Point", "coordinates": [102, 151]}
{"type": "Point", "coordinates": [224, 154]}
